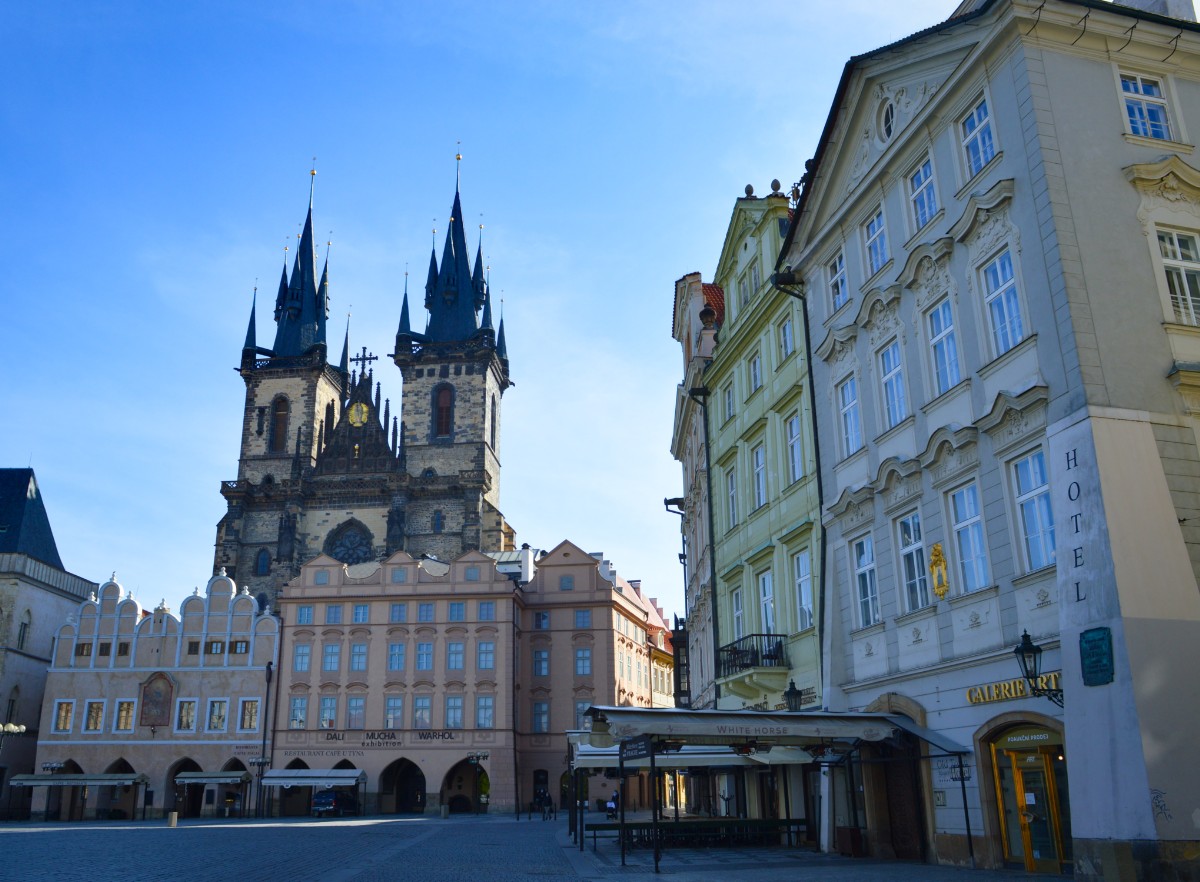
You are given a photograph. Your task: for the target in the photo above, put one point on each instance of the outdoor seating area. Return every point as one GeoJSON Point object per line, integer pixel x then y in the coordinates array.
{"type": "Point", "coordinates": [701, 832]}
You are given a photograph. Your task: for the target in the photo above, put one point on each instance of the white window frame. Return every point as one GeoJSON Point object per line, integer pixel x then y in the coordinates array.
{"type": "Point", "coordinates": [358, 656]}
{"type": "Point", "coordinates": [583, 661]}
{"type": "Point", "coordinates": [454, 712]}
{"type": "Point", "coordinates": [424, 656]}
{"type": "Point", "coordinates": [351, 711]}
{"type": "Point", "coordinates": [485, 655]}
{"type": "Point", "coordinates": [727, 401]}
{"type": "Point", "coordinates": [795, 446]}
{"type": "Point", "coordinates": [946, 370]}
{"type": "Point", "coordinates": [839, 292]}
{"type": "Point", "coordinates": [116, 717]}
{"type": "Point", "coordinates": [456, 655]}
{"type": "Point", "coordinates": [977, 137]}
{"type": "Point", "coordinates": [422, 706]}
{"type": "Point", "coordinates": [242, 702]}
{"type": "Point", "coordinates": [1035, 517]}
{"type": "Point", "coordinates": [331, 662]}
{"type": "Point", "coordinates": [293, 718]}
{"type": "Point", "coordinates": [891, 378]}
{"type": "Point", "coordinates": [58, 714]}
{"type": "Point", "coordinates": [970, 537]}
{"type": "Point", "coordinates": [914, 574]}
{"type": "Point", "coordinates": [1139, 105]}
{"type": "Point", "coordinates": [1002, 302]}
{"type": "Point", "coordinates": [1181, 271]}
{"type": "Point", "coordinates": [179, 702]}
{"type": "Point", "coordinates": [739, 619]}
{"type": "Point", "coordinates": [485, 711]}
{"type": "Point", "coordinates": [731, 511]}
{"type": "Point", "coordinates": [758, 458]}
{"type": "Point", "coordinates": [397, 655]}
{"type": "Point", "coordinates": [866, 585]}
{"type": "Point", "coordinates": [208, 715]}
{"type": "Point", "coordinates": [875, 246]}
{"type": "Point", "coordinates": [361, 613]}
{"type": "Point", "coordinates": [541, 717]}
{"type": "Point", "coordinates": [327, 708]}
{"type": "Point", "coordinates": [922, 193]}
{"type": "Point", "coordinates": [755, 372]}
{"type": "Point", "coordinates": [787, 338]}
{"type": "Point", "coordinates": [849, 416]}
{"type": "Point", "coordinates": [802, 581]}
{"type": "Point", "coordinates": [393, 711]}
{"type": "Point", "coordinates": [87, 706]}
{"type": "Point", "coordinates": [766, 600]}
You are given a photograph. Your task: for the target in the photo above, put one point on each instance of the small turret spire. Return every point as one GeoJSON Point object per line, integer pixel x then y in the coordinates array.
{"type": "Point", "coordinates": [344, 364]}
{"type": "Point", "coordinates": [251, 343]}
{"type": "Point", "coordinates": [405, 327]}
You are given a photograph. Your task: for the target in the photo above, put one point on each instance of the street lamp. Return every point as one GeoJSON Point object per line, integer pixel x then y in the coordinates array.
{"type": "Point", "coordinates": [10, 729]}
{"type": "Point", "coordinates": [793, 696]}
{"type": "Point", "coordinates": [1029, 656]}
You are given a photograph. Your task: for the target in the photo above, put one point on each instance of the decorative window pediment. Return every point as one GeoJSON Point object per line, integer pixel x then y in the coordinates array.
{"type": "Point", "coordinates": [853, 507]}
{"type": "Point", "coordinates": [985, 223]}
{"type": "Point", "coordinates": [898, 481]}
{"type": "Point", "coordinates": [1015, 417]}
{"type": "Point", "coordinates": [951, 452]}
{"type": "Point", "coordinates": [1170, 184]}
{"type": "Point", "coordinates": [837, 347]}
{"type": "Point", "coordinates": [879, 315]}
{"type": "Point", "coordinates": [927, 271]}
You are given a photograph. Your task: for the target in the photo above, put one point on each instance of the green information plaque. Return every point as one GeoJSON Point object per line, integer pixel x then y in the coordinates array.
{"type": "Point", "coordinates": [1096, 656]}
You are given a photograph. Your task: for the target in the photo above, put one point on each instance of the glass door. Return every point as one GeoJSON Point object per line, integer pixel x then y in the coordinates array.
{"type": "Point", "coordinates": [1036, 812]}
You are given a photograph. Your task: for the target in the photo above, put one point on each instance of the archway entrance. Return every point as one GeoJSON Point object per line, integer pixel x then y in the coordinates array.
{"type": "Point", "coordinates": [231, 798]}
{"type": "Point", "coordinates": [465, 788]}
{"type": "Point", "coordinates": [66, 803]}
{"type": "Point", "coordinates": [402, 788]}
{"type": "Point", "coordinates": [118, 801]}
{"type": "Point", "coordinates": [187, 799]}
{"type": "Point", "coordinates": [294, 801]}
{"type": "Point", "coordinates": [1029, 764]}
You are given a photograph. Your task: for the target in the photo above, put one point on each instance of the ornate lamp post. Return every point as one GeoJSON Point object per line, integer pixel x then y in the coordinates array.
{"type": "Point", "coordinates": [9, 729]}
{"type": "Point", "coordinates": [1029, 657]}
{"type": "Point", "coordinates": [793, 696]}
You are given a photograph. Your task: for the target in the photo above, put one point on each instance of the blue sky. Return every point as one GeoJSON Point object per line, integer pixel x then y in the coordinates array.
{"type": "Point", "coordinates": [155, 161]}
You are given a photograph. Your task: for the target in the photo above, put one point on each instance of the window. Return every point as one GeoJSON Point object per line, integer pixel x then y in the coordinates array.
{"type": "Point", "coordinates": [398, 612]}
{"type": "Point", "coordinates": [485, 715]}
{"type": "Point", "coordinates": [922, 195]}
{"type": "Point", "coordinates": [795, 450]}
{"type": "Point", "coordinates": [758, 456]}
{"type": "Point", "coordinates": [727, 402]}
{"type": "Point", "coordinates": [122, 649]}
{"type": "Point", "coordinates": [443, 411]}
{"type": "Point", "coordinates": [104, 650]}
{"type": "Point", "coordinates": [978, 147]}
{"type": "Point", "coordinates": [583, 618]}
{"type": "Point", "coordinates": [422, 712]}
{"type": "Point", "coordinates": [214, 647]}
{"type": "Point", "coordinates": [485, 655]}
{"type": "Point", "coordinates": [356, 712]}
{"type": "Point", "coordinates": [301, 657]}
{"type": "Point", "coordinates": [331, 658]}
{"type": "Point", "coordinates": [23, 630]}
{"type": "Point", "coordinates": [454, 712]}
{"type": "Point", "coordinates": [328, 711]}
{"type": "Point", "coordinates": [838, 292]}
{"type": "Point", "coordinates": [321, 577]}
{"type": "Point", "coordinates": [787, 340]}
{"type": "Point", "coordinates": [358, 656]}
{"type": "Point", "coordinates": [864, 578]}
{"type": "Point", "coordinates": [93, 720]}
{"type": "Point", "coordinates": [395, 656]}
{"type": "Point", "coordinates": [471, 574]}
{"type": "Point", "coordinates": [743, 291]}
{"type": "Point", "coordinates": [566, 583]}
{"type": "Point", "coordinates": [731, 496]}
{"type": "Point", "coordinates": [393, 712]}
{"type": "Point", "coordinates": [876, 239]}
{"type": "Point", "coordinates": [362, 613]}
{"type": "Point", "coordinates": [944, 348]}
{"type": "Point", "coordinates": [583, 662]}
{"type": "Point", "coordinates": [1145, 106]}
{"type": "Point", "coordinates": [739, 625]}
{"type": "Point", "coordinates": [240, 647]}
{"type": "Point", "coordinates": [454, 656]}
{"type": "Point", "coordinates": [766, 600]}
{"type": "Point", "coordinates": [438, 522]}
{"type": "Point", "coordinates": [487, 610]}
{"type": "Point", "coordinates": [424, 656]}
{"type": "Point", "coordinates": [83, 650]}
{"type": "Point", "coordinates": [968, 537]}
{"type": "Point", "coordinates": [399, 576]}
{"type": "Point", "coordinates": [1004, 311]}
{"type": "Point", "coordinates": [541, 663]}
{"type": "Point", "coordinates": [848, 405]}
{"type": "Point", "coordinates": [262, 564]}
{"type": "Point", "coordinates": [248, 716]}
{"type": "Point", "coordinates": [755, 372]}
{"type": "Point", "coordinates": [1033, 501]}
{"type": "Point", "coordinates": [494, 421]}
{"type": "Point", "coordinates": [755, 277]}
{"type": "Point", "coordinates": [193, 648]}
{"type": "Point", "coordinates": [912, 562]}
{"type": "Point", "coordinates": [277, 441]}
{"type": "Point", "coordinates": [298, 712]}
{"type": "Point", "coordinates": [333, 614]}
{"type": "Point", "coordinates": [304, 615]}
{"type": "Point", "coordinates": [895, 409]}
{"type": "Point", "coordinates": [185, 715]}
{"type": "Point", "coordinates": [541, 716]}
{"type": "Point", "coordinates": [541, 620]}
{"type": "Point", "coordinates": [123, 721]}
{"type": "Point", "coordinates": [63, 710]}
{"type": "Point", "coordinates": [457, 611]}
{"type": "Point", "coordinates": [216, 714]}
{"type": "Point", "coordinates": [1181, 263]}
{"type": "Point", "coordinates": [581, 709]}
{"type": "Point", "coordinates": [424, 612]}
{"type": "Point", "coordinates": [802, 576]}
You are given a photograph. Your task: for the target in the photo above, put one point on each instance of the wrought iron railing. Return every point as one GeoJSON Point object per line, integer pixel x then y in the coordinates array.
{"type": "Point", "coordinates": [752, 651]}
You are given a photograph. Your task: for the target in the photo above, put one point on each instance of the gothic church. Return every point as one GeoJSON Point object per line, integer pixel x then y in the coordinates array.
{"type": "Point", "coordinates": [325, 469]}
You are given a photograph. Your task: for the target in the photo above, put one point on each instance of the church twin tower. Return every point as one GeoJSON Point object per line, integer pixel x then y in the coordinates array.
{"type": "Point", "coordinates": [325, 469]}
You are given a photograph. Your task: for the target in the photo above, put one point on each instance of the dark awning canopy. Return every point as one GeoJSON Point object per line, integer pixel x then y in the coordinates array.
{"type": "Point", "coordinates": [212, 778]}
{"type": "Point", "coordinates": [117, 779]}
{"type": "Point", "coordinates": [314, 778]}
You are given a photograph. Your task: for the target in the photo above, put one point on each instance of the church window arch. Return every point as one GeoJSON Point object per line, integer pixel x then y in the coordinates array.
{"type": "Point", "coordinates": [262, 564]}
{"type": "Point", "coordinates": [277, 441]}
{"type": "Point", "coordinates": [493, 420]}
{"type": "Point", "coordinates": [351, 543]}
{"type": "Point", "coordinates": [23, 629]}
{"type": "Point", "coordinates": [439, 522]}
{"type": "Point", "coordinates": [443, 411]}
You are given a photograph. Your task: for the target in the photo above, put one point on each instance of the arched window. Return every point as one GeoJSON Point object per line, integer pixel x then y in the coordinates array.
{"type": "Point", "coordinates": [10, 711]}
{"type": "Point", "coordinates": [439, 522]}
{"type": "Point", "coordinates": [262, 566]}
{"type": "Point", "coordinates": [443, 411]}
{"type": "Point", "coordinates": [23, 630]}
{"type": "Point", "coordinates": [495, 413]}
{"type": "Point", "coordinates": [279, 425]}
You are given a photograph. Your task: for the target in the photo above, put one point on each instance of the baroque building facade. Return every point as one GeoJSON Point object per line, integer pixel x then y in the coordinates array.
{"type": "Point", "coordinates": [997, 246]}
{"type": "Point", "coordinates": [326, 467]}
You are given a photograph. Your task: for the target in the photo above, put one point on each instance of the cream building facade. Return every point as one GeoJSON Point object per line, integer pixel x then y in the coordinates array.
{"type": "Point", "coordinates": [147, 713]}
{"type": "Point", "coordinates": [997, 245]}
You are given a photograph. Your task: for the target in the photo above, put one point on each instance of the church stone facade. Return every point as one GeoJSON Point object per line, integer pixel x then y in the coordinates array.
{"type": "Point", "coordinates": [326, 467]}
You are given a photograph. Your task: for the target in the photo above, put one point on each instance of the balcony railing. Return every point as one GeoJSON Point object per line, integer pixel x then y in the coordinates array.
{"type": "Point", "coordinates": [752, 651]}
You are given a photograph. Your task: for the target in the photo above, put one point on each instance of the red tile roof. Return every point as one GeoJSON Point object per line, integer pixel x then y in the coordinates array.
{"type": "Point", "coordinates": [714, 296]}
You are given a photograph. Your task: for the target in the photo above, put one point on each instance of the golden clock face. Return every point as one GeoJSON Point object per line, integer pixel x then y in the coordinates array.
{"type": "Point", "coordinates": [358, 414]}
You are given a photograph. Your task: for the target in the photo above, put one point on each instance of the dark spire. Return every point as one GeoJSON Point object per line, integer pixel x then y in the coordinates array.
{"type": "Point", "coordinates": [344, 364]}
{"type": "Point", "coordinates": [452, 301]}
{"type": "Point", "coordinates": [323, 298]}
{"type": "Point", "coordinates": [485, 324]}
{"type": "Point", "coordinates": [281, 297]}
{"type": "Point", "coordinates": [302, 318]}
{"type": "Point", "coordinates": [405, 327]}
{"type": "Point", "coordinates": [501, 346]}
{"type": "Point", "coordinates": [251, 343]}
{"type": "Point", "coordinates": [477, 280]}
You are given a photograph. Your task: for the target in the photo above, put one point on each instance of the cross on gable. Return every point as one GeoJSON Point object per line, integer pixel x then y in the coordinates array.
{"type": "Point", "coordinates": [364, 359]}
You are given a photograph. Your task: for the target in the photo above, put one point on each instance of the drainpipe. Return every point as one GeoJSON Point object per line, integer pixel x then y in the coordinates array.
{"type": "Point", "coordinates": [699, 394]}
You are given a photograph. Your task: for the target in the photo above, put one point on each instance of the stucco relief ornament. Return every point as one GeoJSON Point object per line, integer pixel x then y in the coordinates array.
{"type": "Point", "coordinates": [883, 322]}
{"type": "Point", "coordinates": [937, 570]}
{"type": "Point", "coordinates": [916, 636]}
{"type": "Point", "coordinates": [861, 155]}
{"type": "Point", "coordinates": [933, 280]}
{"type": "Point", "coordinates": [994, 230]}
{"type": "Point", "coordinates": [1170, 193]}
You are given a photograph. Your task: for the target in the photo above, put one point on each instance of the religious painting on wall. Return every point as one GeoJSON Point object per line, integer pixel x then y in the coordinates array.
{"type": "Point", "coordinates": [156, 700]}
